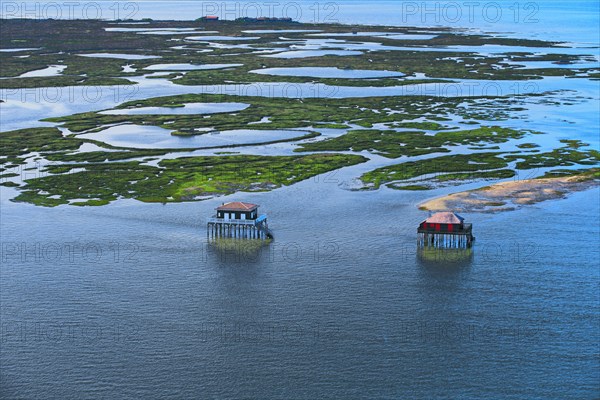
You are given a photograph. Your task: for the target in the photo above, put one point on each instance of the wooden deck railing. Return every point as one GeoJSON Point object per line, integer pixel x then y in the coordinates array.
{"type": "Point", "coordinates": [215, 220]}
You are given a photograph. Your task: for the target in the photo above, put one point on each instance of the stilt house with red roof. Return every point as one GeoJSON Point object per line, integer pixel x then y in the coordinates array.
{"type": "Point", "coordinates": [445, 230]}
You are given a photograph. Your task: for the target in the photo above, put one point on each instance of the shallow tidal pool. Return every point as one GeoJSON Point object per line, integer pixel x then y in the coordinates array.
{"type": "Point", "coordinates": [154, 137]}
{"type": "Point", "coordinates": [328, 72]}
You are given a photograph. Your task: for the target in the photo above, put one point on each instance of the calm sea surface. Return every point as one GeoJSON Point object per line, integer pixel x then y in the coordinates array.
{"type": "Point", "coordinates": [130, 301]}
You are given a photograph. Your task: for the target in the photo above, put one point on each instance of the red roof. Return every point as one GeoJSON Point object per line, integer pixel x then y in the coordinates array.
{"type": "Point", "coordinates": [445, 218]}
{"type": "Point", "coordinates": [237, 206]}
{"type": "Point", "coordinates": [211, 17]}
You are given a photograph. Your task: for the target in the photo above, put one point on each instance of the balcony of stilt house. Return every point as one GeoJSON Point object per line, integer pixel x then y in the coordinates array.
{"type": "Point", "coordinates": [445, 230]}
{"type": "Point", "coordinates": [239, 220]}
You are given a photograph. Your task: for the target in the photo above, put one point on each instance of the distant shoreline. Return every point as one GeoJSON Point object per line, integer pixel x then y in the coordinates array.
{"type": "Point", "coordinates": [508, 196]}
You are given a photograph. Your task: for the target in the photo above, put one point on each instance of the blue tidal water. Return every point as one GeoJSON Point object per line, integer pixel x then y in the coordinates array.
{"type": "Point", "coordinates": [130, 301]}
{"type": "Point", "coordinates": [140, 305]}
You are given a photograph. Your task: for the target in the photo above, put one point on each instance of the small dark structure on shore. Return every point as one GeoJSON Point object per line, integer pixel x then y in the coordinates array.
{"type": "Point", "coordinates": [209, 18]}
{"type": "Point", "coordinates": [239, 220]}
{"type": "Point", "coordinates": [445, 230]}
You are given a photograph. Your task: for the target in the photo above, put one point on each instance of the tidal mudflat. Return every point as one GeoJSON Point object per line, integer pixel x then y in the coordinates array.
{"type": "Point", "coordinates": [514, 194]}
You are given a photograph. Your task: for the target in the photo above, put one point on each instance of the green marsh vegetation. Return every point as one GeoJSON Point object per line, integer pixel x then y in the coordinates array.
{"type": "Point", "coordinates": [18, 143]}
{"type": "Point", "coordinates": [394, 144]}
{"type": "Point", "coordinates": [433, 172]}
{"type": "Point", "coordinates": [59, 42]}
{"type": "Point", "coordinates": [391, 126]}
{"type": "Point", "coordinates": [286, 113]}
{"type": "Point", "coordinates": [175, 180]}
{"type": "Point", "coordinates": [471, 165]}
